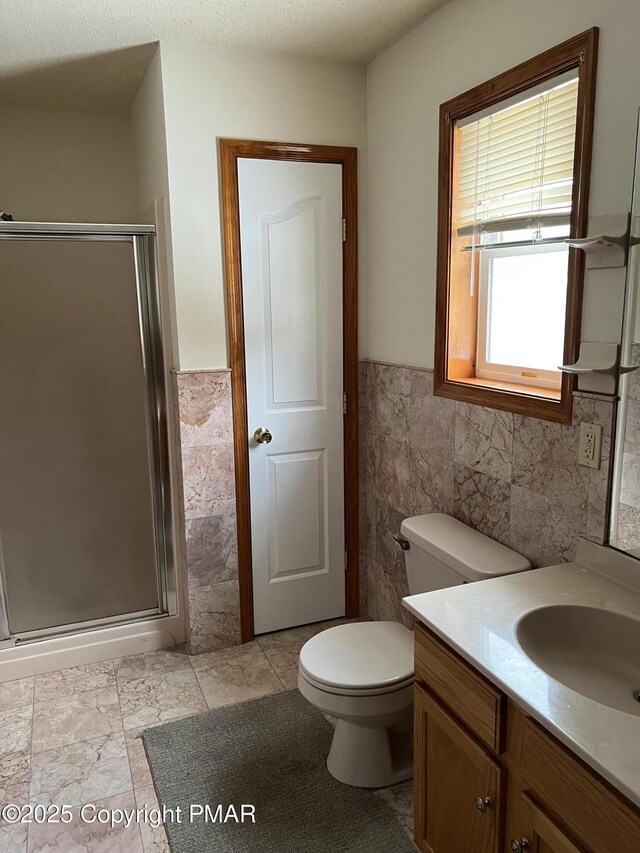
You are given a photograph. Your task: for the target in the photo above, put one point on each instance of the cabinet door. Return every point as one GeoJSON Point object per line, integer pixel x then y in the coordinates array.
{"type": "Point", "coordinates": [458, 786]}
{"type": "Point", "coordinates": [542, 834]}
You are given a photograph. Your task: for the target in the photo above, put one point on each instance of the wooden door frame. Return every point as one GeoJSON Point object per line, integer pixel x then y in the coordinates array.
{"type": "Point", "coordinates": [231, 150]}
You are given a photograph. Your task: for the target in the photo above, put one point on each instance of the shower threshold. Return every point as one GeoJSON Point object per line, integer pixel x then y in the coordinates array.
{"type": "Point", "coordinates": [88, 643]}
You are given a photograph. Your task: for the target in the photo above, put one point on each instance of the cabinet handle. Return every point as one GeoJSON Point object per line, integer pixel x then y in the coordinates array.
{"type": "Point", "coordinates": [483, 803]}
{"type": "Point", "coordinates": [520, 846]}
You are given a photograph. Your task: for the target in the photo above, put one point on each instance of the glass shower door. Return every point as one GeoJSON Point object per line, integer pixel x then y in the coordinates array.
{"type": "Point", "coordinates": [81, 514]}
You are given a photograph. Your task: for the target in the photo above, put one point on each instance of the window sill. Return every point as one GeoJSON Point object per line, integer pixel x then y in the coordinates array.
{"type": "Point", "coordinates": [543, 403]}
{"type": "Point", "coordinates": [513, 387]}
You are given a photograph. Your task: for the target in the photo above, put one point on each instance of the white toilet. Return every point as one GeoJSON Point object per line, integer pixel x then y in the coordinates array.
{"type": "Point", "coordinates": [362, 673]}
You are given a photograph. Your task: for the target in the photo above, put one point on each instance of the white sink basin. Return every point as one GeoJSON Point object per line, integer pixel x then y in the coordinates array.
{"type": "Point", "coordinates": [592, 651]}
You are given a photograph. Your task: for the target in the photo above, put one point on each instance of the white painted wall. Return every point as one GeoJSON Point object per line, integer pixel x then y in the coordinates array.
{"type": "Point", "coordinates": [462, 45]}
{"type": "Point", "coordinates": [66, 166]}
{"type": "Point", "coordinates": [149, 138]}
{"type": "Point", "coordinates": [216, 93]}
{"type": "Point", "coordinates": [148, 135]}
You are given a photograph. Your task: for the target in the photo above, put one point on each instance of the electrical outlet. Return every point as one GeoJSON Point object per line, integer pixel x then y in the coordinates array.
{"type": "Point", "coordinates": [590, 445]}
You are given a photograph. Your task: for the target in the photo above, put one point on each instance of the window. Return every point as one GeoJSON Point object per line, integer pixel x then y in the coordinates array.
{"type": "Point", "coordinates": [521, 312]}
{"type": "Point", "coordinates": [514, 176]}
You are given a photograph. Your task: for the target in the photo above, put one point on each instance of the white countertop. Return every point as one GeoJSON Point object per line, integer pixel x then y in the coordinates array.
{"type": "Point", "coordinates": [479, 620]}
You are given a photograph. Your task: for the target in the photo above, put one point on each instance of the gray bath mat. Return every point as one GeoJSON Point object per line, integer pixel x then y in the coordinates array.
{"type": "Point", "coordinates": [269, 753]}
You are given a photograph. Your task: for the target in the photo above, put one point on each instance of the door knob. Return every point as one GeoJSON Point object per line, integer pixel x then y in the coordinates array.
{"type": "Point", "coordinates": [262, 435]}
{"type": "Point", "coordinates": [483, 803]}
{"type": "Point", "coordinates": [520, 846]}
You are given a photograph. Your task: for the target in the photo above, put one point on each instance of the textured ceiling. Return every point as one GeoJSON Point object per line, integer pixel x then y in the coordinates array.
{"type": "Point", "coordinates": [91, 54]}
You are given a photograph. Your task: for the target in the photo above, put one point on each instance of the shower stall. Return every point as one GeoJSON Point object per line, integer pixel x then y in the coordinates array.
{"type": "Point", "coordinates": [85, 513]}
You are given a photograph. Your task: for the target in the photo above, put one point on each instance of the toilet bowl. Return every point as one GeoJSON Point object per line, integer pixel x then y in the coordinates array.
{"type": "Point", "coordinates": [362, 673]}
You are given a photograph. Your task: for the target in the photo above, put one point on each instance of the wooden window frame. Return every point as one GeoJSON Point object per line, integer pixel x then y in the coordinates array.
{"type": "Point", "coordinates": [231, 150]}
{"type": "Point", "coordinates": [579, 52]}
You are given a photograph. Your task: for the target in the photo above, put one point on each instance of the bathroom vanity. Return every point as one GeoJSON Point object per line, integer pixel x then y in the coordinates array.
{"type": "Point", "coordinates": [535, 750]}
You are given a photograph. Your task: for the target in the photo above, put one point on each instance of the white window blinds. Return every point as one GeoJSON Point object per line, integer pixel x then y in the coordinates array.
{"type": "Point", "coordinates": [515, 164]}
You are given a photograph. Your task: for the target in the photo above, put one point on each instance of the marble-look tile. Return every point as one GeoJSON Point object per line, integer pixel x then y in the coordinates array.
{"type": "Point", "coordinates": [604, 412]}
{"type": "Point", "coordinates": [156, 662]}
{"type": "Point", "coordinates": [362, 585]}
{"type": "Point", "coordinates": [632, 428]}
{"type": "Point", "coordinates": [400, 799]}
{"type": "Point", "coordinates": [212, 552]}
{"type": "Point", "coordinates": [545, 460]}
{"type": "Point", "coordinates": [81, 772]}
{"type": "Point", "coordinates": [390, 401]}
{"type": "Point", "coordinates": [598, 492]}
{"type": "Point", "coordinates": [208, 477]}
{"type": "Point", "coordinates": [16, 694]}
{"type": "Point", "coordinates": [432, 419]}
{"type": "Point", "coordinates": [214, 615]}
{"type": "Point", "coordinates": [154, 838]}
{"type": "Point", "coordinates": [77, 679]}
{"type": "Point", "coordinates": [289, 636]}
{"type": "Point", "coordinates": [15, 772]}
{"type": "Point", "coordinates": [370, 529]}
{"type": "Point", "coordinates": [204, 401]}
{"type": "Point", "coordinates": [545, 532]}
{"type": "Point", "coordinates": [236, 679]}
{"type": "Point", "coordinates": [373, 609]}
{"type": "Point", "coordinates": [15, 729]}
{"type": "Point", "coordinates": [138, 764]}
{"type": "Point", "coordinates": [628, 528]}
{"type": "Point", "coordinates": [483, 440]}
{"type": "Point", "coordinates": [157, 698]}
{"type": "Point", "coordinates": [583, 410]}
{"type": "Point", "coordinates": [13, 838]}
{"type": "Point", "coordinates": [81, 716]}
{"type": "Point", "coordinates": [630, 480]}
{"type": "Point", "coordinates": [364, 516]}
{"type": "Point", "coordinates": [389, 594]}
{"type": "Point", "coordinates": [600, 412]}
{"type": "Point", "coordinates": [596, 528]}
{"type": "Point", "coordinates": [482, 502]}
{"type": "Point", "coordinates": [393, 473]}
{"type": "Point", "coordinates": [364, 394]}
{"type": "Point", "coordinates": [389, 555]}
{"type": "Point", "coordinates": [431, 483]}
{"type": "Point", "coordinates": [86, 836]}
{"type": "Point", "coordinates": [228, 652]}
{"type": "Point", "coordinates": [284, 662]}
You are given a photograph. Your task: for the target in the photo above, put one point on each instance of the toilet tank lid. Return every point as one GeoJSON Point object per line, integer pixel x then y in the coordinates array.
{"type": "Point", "coordinates": [467, 551]}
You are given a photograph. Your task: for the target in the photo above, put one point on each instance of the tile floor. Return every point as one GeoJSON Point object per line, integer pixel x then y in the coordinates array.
{"type": "Point", "coordinates": [72, 736]}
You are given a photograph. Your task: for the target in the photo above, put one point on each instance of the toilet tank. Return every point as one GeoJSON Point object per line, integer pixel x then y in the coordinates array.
{"type": "Point", "coordinates": [443, 552]}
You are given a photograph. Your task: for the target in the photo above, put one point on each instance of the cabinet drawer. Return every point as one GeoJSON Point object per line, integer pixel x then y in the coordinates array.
{"type": "Point", "coordinates": [585, 805]}
{"type": "Point", "coordinates": [475, 701]}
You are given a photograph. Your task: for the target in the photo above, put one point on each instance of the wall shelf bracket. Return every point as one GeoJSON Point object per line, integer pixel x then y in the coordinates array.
{"type": "Point", "coordinates": [597, 367]}
{"type": "Point", "coordinates": [602, 250]}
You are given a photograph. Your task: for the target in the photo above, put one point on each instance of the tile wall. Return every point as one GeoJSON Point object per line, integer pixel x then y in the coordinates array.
{"type": "Point", "coordinates": [513, 478]}
{"type": "Point", "coordinates": [206, 437]}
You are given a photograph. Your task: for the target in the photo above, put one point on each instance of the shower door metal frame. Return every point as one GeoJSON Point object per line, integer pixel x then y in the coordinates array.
{"type": "Point", "coordinates": [142, 238]}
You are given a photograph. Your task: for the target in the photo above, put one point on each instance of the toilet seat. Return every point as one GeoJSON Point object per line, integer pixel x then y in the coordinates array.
{"type": "Point", "coordinates": [355, 691]}
{"type": "Point", "coordinates": [359, 659]}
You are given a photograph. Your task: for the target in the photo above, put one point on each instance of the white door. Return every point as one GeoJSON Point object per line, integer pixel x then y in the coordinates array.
{"type": "Point", "coordinates": [291, 250]}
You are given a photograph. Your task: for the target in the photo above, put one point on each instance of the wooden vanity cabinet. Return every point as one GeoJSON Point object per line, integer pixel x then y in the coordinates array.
{"type": "Point", "coordinates": [542, 835]}
{"type": "Point", "coordinates": [460, 784]}
{"type": "Point", "coordinates": [489, 779]}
